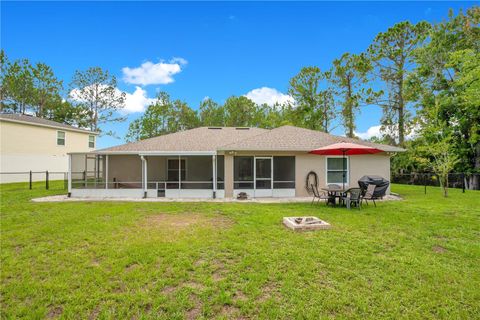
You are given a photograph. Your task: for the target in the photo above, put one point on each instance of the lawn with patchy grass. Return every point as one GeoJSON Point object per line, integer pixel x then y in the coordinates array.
{"type": "Point", "coordinates": [416, 258]}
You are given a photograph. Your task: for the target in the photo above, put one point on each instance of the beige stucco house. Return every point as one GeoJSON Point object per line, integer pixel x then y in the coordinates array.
{"type": "Point", "coordinates": [34, 144]}
{"type": "Point", "coordinates": [219, 162]}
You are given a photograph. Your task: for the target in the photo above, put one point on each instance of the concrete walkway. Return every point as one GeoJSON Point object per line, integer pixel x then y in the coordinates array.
{"type": "Point", "coordinates": [64, 198]}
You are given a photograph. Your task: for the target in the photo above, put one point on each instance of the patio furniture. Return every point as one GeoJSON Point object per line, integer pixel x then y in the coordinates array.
{"type": "Point", "coordinates": [334, 191]}
{"type": "Point", "coordinates": [380, 183]}
{"type": "Point", "coordinates": [318, 195]}
{"type": "Point", "coordinates": [353, 196]}
{"type": "Point", "coordinates": [370, 194]}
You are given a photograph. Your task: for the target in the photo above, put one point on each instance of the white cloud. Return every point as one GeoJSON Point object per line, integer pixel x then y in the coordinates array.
{"type": "Point", "coordinates": [376, 131]}
{"type": "Point", "coordinates": [137, 101]}
{"type": "Point", "coordinates": [134, 102]}
{"type": "Point", "coordinates": [371, 132]}
{"type": "Point", "coordinates": [154, 73]}
{"type": "Point", "coordinates": [269, 96]}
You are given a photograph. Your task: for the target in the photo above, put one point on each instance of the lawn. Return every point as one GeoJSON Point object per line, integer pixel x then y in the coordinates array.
{"type": "Point", "coordinates": [416, 258]}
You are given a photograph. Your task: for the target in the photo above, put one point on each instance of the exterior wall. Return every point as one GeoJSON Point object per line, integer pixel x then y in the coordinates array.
{"type": "Point", "coordinates": [125, 168]}
{"type": "Point", "coordinates": [228, 164]}
{"type": "Point", "coordinates": [25, 147]}
{"type": "Point", "coordinates": [360, 165]}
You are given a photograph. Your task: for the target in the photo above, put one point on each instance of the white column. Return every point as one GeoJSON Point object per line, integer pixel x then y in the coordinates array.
{"type": "Point", "coordinates": [106, 171]}
{"type": "Point", "coordinates": [69, 175]}
{"type": "Point", "coordinates": [214, 175]}
{"type": "Point", "coordinates": [146, 177]}
{"type": "Point", "coordinates": [179, 173]}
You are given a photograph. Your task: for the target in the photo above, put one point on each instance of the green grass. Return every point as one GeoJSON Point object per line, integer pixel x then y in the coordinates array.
{"type": "Point", "coordinates": [416, 258]}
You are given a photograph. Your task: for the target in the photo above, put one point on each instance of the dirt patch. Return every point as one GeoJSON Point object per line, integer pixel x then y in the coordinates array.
{"type": "Point", "coordinates": [269, 290]}
{"type": "Point", "coordinates": [240, 296]}
{"type": "Point", "coordinates": [185, 221]}
{"type": "Point", "coordinates": [230, 312]}
{"type": "Point", "coordinates": [54, 312]}
{"type": "Point", "coordinates": [439, 249]}
{"type": "Point", "coordinates": [131, 267]}
{"type": "Point", "coordinates": [194, 285]}
{"type": "Point", "coordinates": [168, 290]}
{"type": "Point", "coordinates": [196, 310]}
{"type": "Point", "coordinates": [94, 314]}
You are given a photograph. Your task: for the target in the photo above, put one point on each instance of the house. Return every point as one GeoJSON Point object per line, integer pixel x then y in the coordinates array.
{"type": "Point", "coordinates": [218, 162]}
{"type": "Point", "coordinates": [35, 144]}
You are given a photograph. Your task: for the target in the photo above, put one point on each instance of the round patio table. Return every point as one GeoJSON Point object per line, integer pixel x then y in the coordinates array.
{"type": "Point", "coordinates": [333, 194]}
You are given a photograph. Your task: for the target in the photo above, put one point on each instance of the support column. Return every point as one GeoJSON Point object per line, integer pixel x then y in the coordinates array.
{"type": "Point", "coordinates": [214, 176]}
{"type": "Point", "coordinates": [106, 171]}
{"type": "Point", "coordinates": [228, 176]}
{"type": "Point", "coordinates": [144, 176]}
{"type": "Point", "coordinates": [179, 175]}
{"type": "Point", "coordinates": [69, 176]}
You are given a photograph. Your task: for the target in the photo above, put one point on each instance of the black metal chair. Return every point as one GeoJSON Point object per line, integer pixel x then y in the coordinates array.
{"type": "Point", "coordinates": [369, 194]}
{"type": "Point", "coordinates": [318, 195]}
{"type": "Point", "coordinates": [353, 196]}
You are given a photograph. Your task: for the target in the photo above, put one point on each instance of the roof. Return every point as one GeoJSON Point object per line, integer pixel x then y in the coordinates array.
{"type": "Point", "coordinates": [212, 139]}
{"type": "Point", "coordinates": [32, 120]}
{"type": "Point", "coordinates": [290, 138]}
{"type": "Point", "coordinates": [199, 139]}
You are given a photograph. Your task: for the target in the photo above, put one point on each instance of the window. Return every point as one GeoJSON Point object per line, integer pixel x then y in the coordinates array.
{"type": "Point", "coordinates": [91, 141]}
{"type": "Point", "coordinates": [60, 138]}
{"type": "Point", "coordinates": [172, 169]}
{"type": "Point", "coordinates": [335, 170]}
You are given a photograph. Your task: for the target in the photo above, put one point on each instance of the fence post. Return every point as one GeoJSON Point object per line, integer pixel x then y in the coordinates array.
{"type": "Point", "coordinates": [84, 178]}
{"type": "Point", "coordinates": [30, 180]}
{"type": "Point", "coordinates": [463, 182]}
{"type": "Point", "coordinates": [46, 179]}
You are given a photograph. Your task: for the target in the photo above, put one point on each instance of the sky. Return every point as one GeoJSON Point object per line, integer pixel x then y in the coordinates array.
{"type": "Point", "coordinates": [194, 50]}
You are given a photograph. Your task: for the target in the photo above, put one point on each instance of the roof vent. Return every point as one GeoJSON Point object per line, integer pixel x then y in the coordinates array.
{"type": "Point", "coordinates": [215, 128]}
{"type": "Point", "coordinates": [242, 128]}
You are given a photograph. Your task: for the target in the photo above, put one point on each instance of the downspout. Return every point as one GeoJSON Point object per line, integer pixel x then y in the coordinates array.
{"type": "Point", "coordinates": [69, 177]}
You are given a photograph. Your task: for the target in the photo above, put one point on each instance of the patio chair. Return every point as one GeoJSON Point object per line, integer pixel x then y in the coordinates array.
{"type": "Point", "coordinates": [353, 196]}
{"type": "Point", "coordinates": [318, 195]}
{"type": "Point", "coordinates": [369, 194]}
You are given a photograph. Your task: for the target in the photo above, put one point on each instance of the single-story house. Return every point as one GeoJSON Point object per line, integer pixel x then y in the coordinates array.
{"type": "Point", "coordinates": [218, 162]}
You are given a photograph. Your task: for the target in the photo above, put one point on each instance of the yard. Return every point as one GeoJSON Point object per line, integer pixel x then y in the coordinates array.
{"type": "Point", "coordinates": [416, 258]}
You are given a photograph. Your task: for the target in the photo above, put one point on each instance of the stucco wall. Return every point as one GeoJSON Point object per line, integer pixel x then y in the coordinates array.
{"type": "Point", "coordinates": [25, 147]}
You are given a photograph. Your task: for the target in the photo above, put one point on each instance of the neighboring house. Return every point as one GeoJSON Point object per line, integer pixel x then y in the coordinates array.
{"type": "Point", "coordinates": [35, 144]}
{"type": "Point", "coordinates": [220, 162]}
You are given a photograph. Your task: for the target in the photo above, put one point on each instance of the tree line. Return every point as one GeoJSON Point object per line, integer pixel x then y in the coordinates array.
{"type": "Point", "coordinates": [425, 78]}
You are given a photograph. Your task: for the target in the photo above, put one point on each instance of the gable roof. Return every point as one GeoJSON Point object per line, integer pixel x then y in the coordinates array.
{"type": "Point", "coordinates": [290, 138]}
{"type": "Point", "coordinates": [212, 139]}
{"type": "Point", "coordinates": [32, 120]}
{"type": "Point", "coordinates": [198, 139]}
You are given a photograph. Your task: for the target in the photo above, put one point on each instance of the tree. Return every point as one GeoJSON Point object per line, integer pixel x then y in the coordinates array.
{"type": "Point", "coordinates": [4, 64]}
{"type": "Point", "coordinates": [448, 71]}
{"type": "Point", "coordinates": [96, 91]}
{"type": "Point", "coordinates": [438, 151]}
{"type": "Point", "coordinates": [392, 55]}
{"type": "Point", "coordinates": [46, 89]}
{"type": "Point", "coordinates": [314, 106]}
{"type": "Point", "coordinates": [240, 112]}
{"type": "Point", "coordinates": [349, 78]}
{"type": "Point", "coordinates": [18, 84]}
{"type": "Point", "coordinates": [211, 114]}
{"type": "Point", "coordinates": [162, 117]}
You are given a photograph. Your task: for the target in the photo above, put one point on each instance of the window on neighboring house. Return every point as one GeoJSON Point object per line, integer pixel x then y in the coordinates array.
{"type": "Point", "coordinates": [336, 170]}
{"type": "Point", "coordinates": [60, 138]}
{"type": "Point", "coordinates": [172, 168]}
{"type": "Point", "coordinates": [91, 141]}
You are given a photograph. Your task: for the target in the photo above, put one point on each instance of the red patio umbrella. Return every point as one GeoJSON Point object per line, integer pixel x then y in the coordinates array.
{"type": "Point", "coordinates": [345, 149]}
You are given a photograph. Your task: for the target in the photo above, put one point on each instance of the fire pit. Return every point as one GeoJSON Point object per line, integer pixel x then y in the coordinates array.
{"type": "Point", "coordinates": [305, 223]}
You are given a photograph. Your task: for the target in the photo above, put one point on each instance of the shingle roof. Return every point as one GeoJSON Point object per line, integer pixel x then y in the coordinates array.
{"type": "Point", "coordinates": [290, 138]}
{"type": "Point", "coordinates": [286, 138]}
{"type": "Point", "coordinates": [15, 117]}
{"type": "Point", "coordinates": [198, 139]}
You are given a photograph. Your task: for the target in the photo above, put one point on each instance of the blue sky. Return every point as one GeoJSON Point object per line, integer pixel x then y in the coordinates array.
{"type": "Point", "coordinates": [194, 50]}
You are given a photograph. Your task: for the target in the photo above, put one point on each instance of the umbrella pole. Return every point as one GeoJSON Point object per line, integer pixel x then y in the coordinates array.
{"type": "Point", "coordinates": [343, 169]}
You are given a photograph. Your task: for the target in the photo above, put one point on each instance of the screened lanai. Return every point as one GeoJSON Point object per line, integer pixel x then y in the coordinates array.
{"type": "Point", "coordinates": [147, 175]}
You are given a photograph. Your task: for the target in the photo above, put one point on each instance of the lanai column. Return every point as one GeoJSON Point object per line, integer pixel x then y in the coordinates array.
{"type": "Point", "coordinates": [144, 176]}
{"type": "Point", "coordinates": [69, 176]}
{"type": "Point", "coordinates": [106, 171]}
{"type": "Point", "coordinates": [214, 175]}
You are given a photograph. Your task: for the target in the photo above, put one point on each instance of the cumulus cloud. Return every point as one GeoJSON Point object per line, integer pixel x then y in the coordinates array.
{"type": "Point", "coordinates": [154, 73]}
{"type": "Point", "coordinates": [374, 131]}
{"type": "Point", "coordinates": [134, 102]}
{"type": "Point", "coordinates": [269, 96]}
